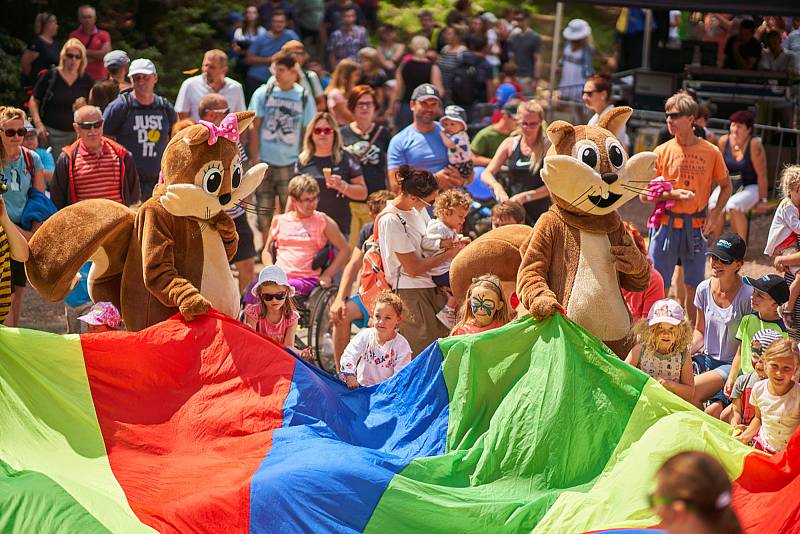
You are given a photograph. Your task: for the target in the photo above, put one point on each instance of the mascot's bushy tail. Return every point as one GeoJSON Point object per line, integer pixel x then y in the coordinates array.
{"type": "Point", "coordinates": [99, 230]}
{"type": "Point", "coordinates": [496, 252]}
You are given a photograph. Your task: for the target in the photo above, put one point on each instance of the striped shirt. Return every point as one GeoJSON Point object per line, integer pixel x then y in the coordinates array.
{"type": "Point", "coordinates": [97, 175]}
{"type": "Point", "coordinates": [5, 276]}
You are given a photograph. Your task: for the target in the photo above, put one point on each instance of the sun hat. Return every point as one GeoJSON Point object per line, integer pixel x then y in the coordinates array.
{"type": "Point", "coordinates": [102, 313]}
{"type": "Point", "coordinates": [456, 113]}
{"type": "Point", "coordinates": [274, 274]}
{"type": "Point", "coordinates": [665, 311]}
{"type": "Point", "coordinates": [766, 337]}
{"type": "Point", "coordinates": [576, 30]}
{"type": "Point", "coordinates": [141, 66]}
{"type": "Point", "coordinates": [489, 17]}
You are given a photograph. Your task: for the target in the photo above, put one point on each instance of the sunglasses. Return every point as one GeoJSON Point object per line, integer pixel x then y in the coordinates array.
{"type": "Point", "coordinates": [427, 204]}
{"type": "Point", "coordinates": [323, 131]}
{"type": "Point", "coordinates": [72, 56]}
{"type": "Point", "coordinates": [224, 110]}
{"type": "Point", "coordinates": [589, 93]}
{"type": "Point", "coordinates": [90, 125]}
{"type": "Point", "coordinates": [674, 115]}
{"type": "Point", "coordinates": [13, 133]}
{"type": "Point", "coordinates": [724, 262]}
{"type": "Point", "coordinates": [276, 296]}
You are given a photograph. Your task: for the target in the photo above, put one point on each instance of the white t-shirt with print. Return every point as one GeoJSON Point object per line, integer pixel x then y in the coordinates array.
{"type": "Point", "coordinates": [372, 362]}
{"type": "Point", "coordinates": [780, 416]}
{"type": "Point", "coordinates": [396, 237]}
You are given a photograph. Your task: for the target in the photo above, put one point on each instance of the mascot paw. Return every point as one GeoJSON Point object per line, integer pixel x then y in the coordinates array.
{"type": "Point", "coordinates": [628, 259]}
{"type": "Point", "coordinates": [544, 308]}
{"type": "Point", "coordinates": [194, 306]}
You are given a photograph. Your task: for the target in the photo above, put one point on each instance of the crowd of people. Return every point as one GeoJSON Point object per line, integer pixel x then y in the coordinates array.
{"type": "Point", "coordinates": [380, 159]}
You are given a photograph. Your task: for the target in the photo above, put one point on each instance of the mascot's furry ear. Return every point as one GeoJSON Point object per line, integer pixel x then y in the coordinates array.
{"type": "Point", "coordinates": [562, 136]}
{"type": "Point", "coordinates": [245, 119]}
{"type": "Point", "coordinates": [614, 119]}
{"type": "Point", "coordinates": [194, 135]}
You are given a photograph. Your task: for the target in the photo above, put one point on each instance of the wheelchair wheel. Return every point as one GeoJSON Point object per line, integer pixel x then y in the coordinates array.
{"type": "Point", "coordinates": [320, 330]}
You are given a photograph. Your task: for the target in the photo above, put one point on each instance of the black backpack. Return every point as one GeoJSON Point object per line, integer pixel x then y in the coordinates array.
{"type": "Point", "coordinates": [464, 83]}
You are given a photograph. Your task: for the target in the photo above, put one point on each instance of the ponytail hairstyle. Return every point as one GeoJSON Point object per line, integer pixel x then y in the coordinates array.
{"type": "Point", "coordinates": [416, 182]}
{"type": "Point", "coordinates": [699, 481]}
{"type": "Point", "coordinates": [492, 283]}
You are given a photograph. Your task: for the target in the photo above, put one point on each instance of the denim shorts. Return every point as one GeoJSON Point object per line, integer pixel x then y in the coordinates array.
{"type": "Point", "coordinates": [702, 363]}
{"type": "Point", "coordinates": [693, 260]}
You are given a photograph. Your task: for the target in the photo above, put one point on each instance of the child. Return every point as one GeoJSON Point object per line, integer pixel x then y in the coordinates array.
{"type": "Point", "coordinates": [782, 237]}
{"type": "Point", "coordinates": [776, 400]}
{"type": "Point", "coordinates": [102, 317]}
{"type": "Point", "coordinates": [663, 349]}
{"type": "Point", "coordinates": [484, 307]}
{"type": "Point", "coordinates": [12, 246]}
{"type": "Point", "coordinates": [275, 315]}
{"type": "Point", "coordinates": [377, 353]}
{"type": "Point", "coordinates": [454, 135]}
{"type": "Point", "coordinates": [769, 292]}
{"type": "Point", "coordinates": [451, 209]}
{"type": "Point", "coordinates": [507, 212]}
{"type": "Point", "coordinates": [740, 412]}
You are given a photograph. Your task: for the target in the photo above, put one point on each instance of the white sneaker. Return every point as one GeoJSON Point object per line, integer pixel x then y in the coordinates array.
{"type": "Point", "coordinates": [447, 316]}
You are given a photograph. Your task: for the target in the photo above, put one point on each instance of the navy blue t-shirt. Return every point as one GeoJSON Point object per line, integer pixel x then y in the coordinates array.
{"type": "Point", "coordinates": [145, 131]}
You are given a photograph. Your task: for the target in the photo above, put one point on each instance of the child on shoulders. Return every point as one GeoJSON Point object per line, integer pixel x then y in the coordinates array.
{"type": "Point", "coordinates": [484, 307]}
{"type": "Point", "coordinates": [776, 400]}
{"type": "Point", "coordinates": [663, 348]}
{"type": "Point", "coordinates": [377, 353]}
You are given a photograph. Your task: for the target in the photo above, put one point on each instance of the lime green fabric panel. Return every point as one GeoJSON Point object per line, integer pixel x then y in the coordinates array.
{"type": "Point", "coordinates": [32, 502]}
{"type": "Point", "coordinates": [662, 424]}
{"type": "Point", "coordinates": [48, 424]}
{"type": "Point", "coordinates": [517, 396]}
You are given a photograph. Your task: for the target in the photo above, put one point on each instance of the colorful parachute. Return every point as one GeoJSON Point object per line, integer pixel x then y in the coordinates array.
{"type": "Point", "coordinates": [208, 427]}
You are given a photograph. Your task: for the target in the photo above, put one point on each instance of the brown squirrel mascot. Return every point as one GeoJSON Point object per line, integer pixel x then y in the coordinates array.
{"type": "Point", "coordinates": [578, 255]}
{"type": "Point", "coordinates": [172, 254]}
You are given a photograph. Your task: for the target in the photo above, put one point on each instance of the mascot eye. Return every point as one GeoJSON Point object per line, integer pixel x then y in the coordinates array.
{"type": "Point", "coordinates": [236, 179]}
{"type": "Point", "coordinates": [588, 155]}
{"type": "Point", "coordinates": [616, 156]}
{"type": "Point", "coordinates": [212, 180]}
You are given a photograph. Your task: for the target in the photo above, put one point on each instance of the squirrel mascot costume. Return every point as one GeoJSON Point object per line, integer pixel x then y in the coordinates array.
{"type": "Point", "coordinates": [172, 254]}
{"type": "Point", "coordinates": [578, 255]}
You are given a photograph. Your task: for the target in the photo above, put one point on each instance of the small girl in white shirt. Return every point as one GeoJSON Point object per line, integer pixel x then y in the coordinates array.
{"type": "Point", "coordinates": [783, 236]}
{"type": "Point", "coordinates": [455, 137]}
{"type": "Point", "coordinates": [377, 353]}
{"type": "Point", "coordinates": [776, 400]}
{"type": "Point", "coordinates": [451, 209]}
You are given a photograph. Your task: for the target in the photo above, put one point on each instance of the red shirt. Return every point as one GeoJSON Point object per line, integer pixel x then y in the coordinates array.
{"type": "Point", "coordinates": [93, 41]}
{"type": "Point", "coordinates": [97, 175]}
{"type": "Point", "coordinates": [640, 302]}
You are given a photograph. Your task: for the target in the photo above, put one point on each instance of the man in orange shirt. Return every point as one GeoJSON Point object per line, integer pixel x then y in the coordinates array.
{"type": "Point", "coordinates": [694, 167]}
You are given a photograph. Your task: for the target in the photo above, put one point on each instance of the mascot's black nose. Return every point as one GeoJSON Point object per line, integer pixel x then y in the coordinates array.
{"type": "Point", "coordinates": [224, 199]}
{"type": "Point", "coordinates": [610, 177]}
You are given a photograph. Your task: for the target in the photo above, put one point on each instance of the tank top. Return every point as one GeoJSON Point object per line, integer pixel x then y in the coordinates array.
{"type": "Point", "coordinates": [297, 241]}
{"type": "Point", "coordinates": [415, 73]}
{"type": "Point", "coordinates": [522, 179]}
{"type": "Point", "coordinates": [743, 168]}
{"type": "Point", "coordinates": [666, 366]}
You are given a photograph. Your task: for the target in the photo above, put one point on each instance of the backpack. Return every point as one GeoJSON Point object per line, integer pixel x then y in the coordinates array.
{"type": "Point", "coordinates": [160, 103]}
{"type": "Point", "coordinates": [48, 94]}
{"type": "Point", "coordinates": [372, 277]}
{"type": "Point", "coordinates": [464, 83]}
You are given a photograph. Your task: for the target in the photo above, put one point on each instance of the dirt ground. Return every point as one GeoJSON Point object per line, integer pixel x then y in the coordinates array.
{"type": "Point", "coordinates": [49, 316]}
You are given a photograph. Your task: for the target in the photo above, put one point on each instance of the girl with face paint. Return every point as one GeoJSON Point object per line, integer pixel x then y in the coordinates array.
{"type": "Point", "coordinates": [484, 308]}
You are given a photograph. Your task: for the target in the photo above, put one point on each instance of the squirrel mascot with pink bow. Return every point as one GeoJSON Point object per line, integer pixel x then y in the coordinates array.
{"type": "Point", "coordinates": [172, 253]}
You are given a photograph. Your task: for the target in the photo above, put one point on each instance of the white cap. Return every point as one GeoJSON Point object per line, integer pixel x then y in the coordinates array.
{"type": "Point", "coordinates": [272, 273]}
{"type": "Point", "coordinates": [141, 66]}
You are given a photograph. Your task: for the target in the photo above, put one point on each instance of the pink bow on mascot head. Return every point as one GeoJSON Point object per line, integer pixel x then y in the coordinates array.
{"type": "Point", "coordinates": [228, 128]}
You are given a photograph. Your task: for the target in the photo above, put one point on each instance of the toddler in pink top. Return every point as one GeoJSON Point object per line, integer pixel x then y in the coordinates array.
{"type": "Point", "coordinates": [484, 307]}
{"type": "Point", "coordinates": [275, 315]}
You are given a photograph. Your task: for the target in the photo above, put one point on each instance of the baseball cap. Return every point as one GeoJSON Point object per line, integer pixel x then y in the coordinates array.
{"type": "Point", "coordinates": [456, 113]}
{"type": "Point", "coordinates": [272, 273]}
{"type": "Point", "coordinates": [665, 311]}
{"type": "Point", "coordinates": [511, 106]}
{"type": "Point", "coordinates": [141, 66]}
{"type": "Point", "coordinates": [102, 313]}
{"type": "Point", "coordinates": [426, 91]}
{"type": "Point", "coordinates": [116, 58]}
{"type": "Point", "coordinates": [729, 248]}
{"type": "Point", "coordinates": [772, 284]}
